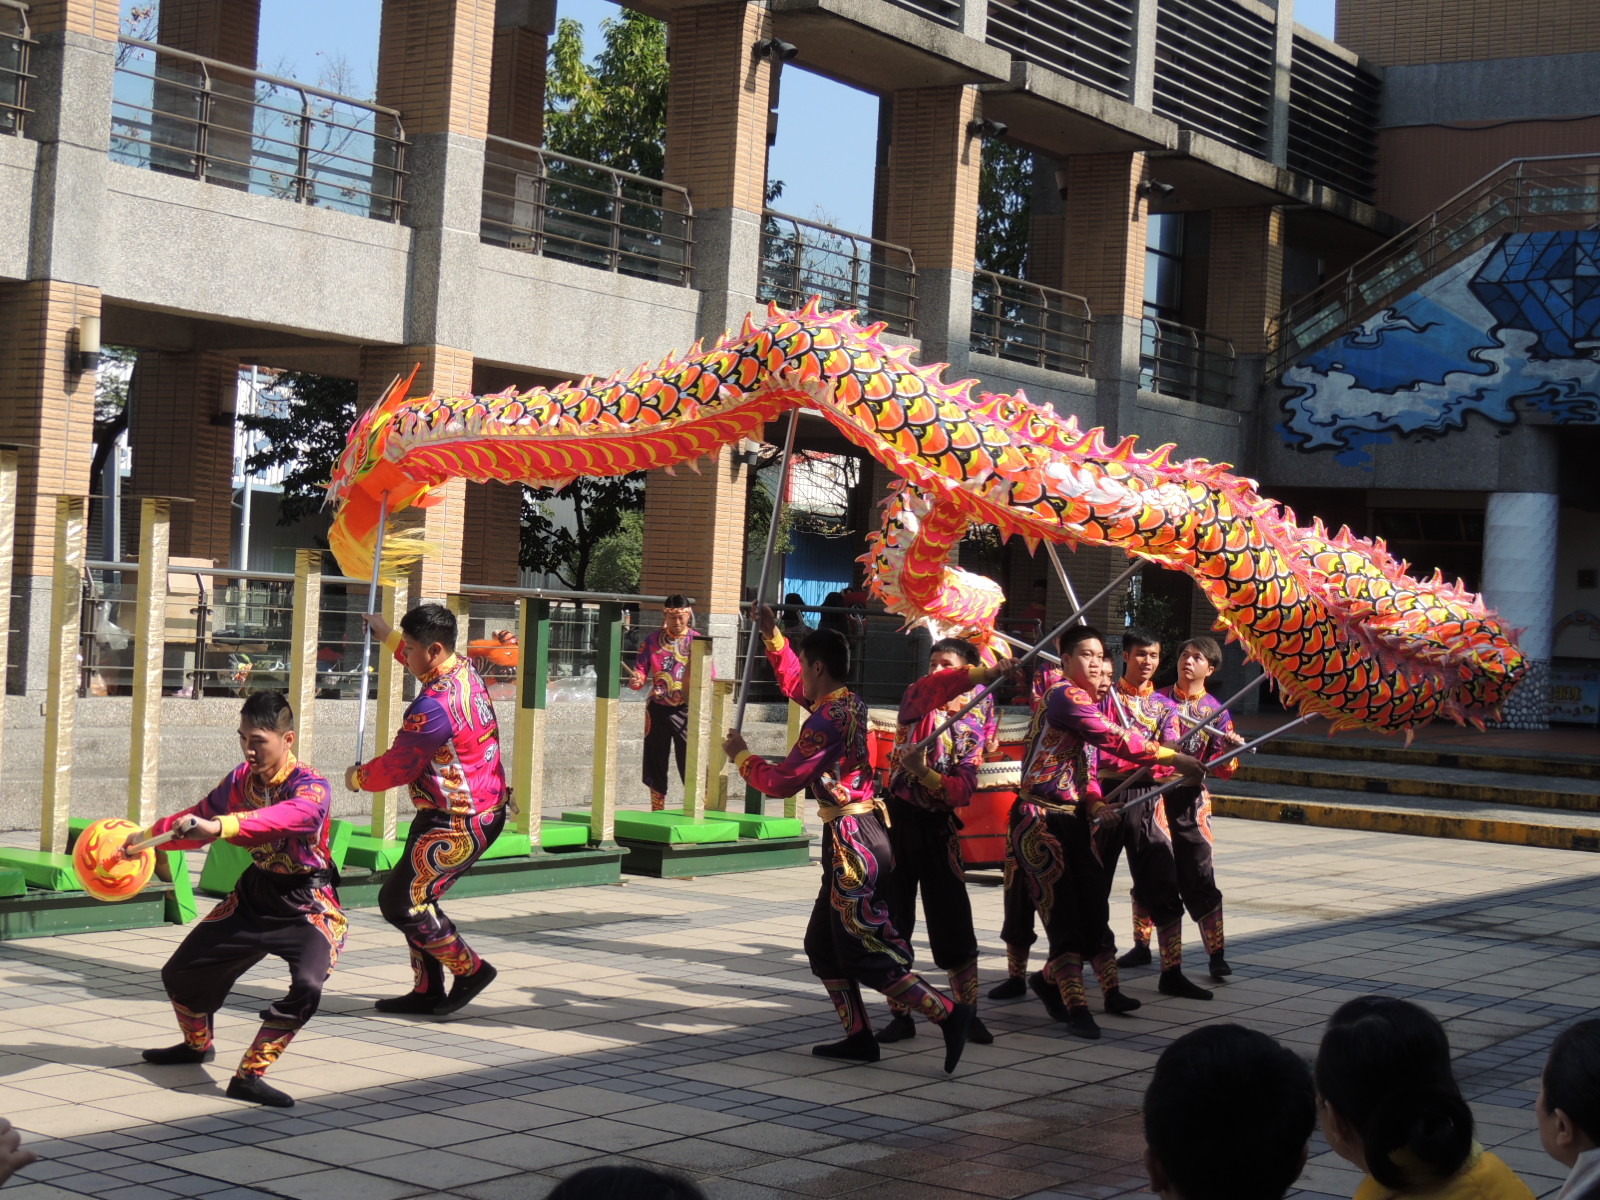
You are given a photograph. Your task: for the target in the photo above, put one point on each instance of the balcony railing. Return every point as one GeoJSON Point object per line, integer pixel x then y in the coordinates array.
{"type": "Point", "coordinates": [1189, 364]}
{"type": "Point", "coordinates": [801, 259]}
{"type": "Point", "coordinates": [182, 114]}
{"type": "Point", "coordinates": [1090, 40]}
{"type": "Point", "coordinates": [16, 44]}
{"type": "Point", "coordinates": [1214, 69]}
{"type": "Point", "coordinates": [1026, 322]}
{"type": "Point", "coordinates": [561, 207]}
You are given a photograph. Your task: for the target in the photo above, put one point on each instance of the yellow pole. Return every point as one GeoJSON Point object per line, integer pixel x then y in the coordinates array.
{"type": "Point", "coordinates": [717, 773]}
{"type": "Point", "coordinates": [697, 760]}
{"type": "Point", "coordinates": [61, 694]}
{"type": "Point", "coordinates": [797, 718]}
{"type": "Point", "coordinates": [303, 639]}
{"type": "Point", "coordinates": [533, 686]}
{"type": "Point", "coordinates": [8, 544]}
{"type": "Point", "coordinates": [607, 726]}
{"type": "Point", "coordinates": [149, 657]}
{"type": "Point", "coordinates": [391, 678]}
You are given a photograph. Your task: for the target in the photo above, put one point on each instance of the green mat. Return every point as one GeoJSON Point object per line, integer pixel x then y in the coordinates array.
{"type": "Point", "coordinates": [42, 869]}
{"type": "Point", "coordinates": [374, 854]}
{"type": "Point", "coordinates": [225, 862]}
{"type": "Point", "coordinates": [668, 828]}
{"type": "Point", "coordinates": [402, 830]}
{"type": "Point", "coordinates": [755, 825]}
{"type": "Point", "coordinates": [563, 833]}
{"type": "Point", "coordinates": [12, 883]}
{"type": "Point", "coordinates": [180, 907]}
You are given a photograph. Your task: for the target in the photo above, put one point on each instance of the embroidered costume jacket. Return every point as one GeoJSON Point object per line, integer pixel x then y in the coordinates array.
{"type": "Point", "coordinates": [1045, 677]}
{"type": "Point", "coordinates": [283, 822]}
{"type": "Point", "coordinates": [1208, 745]}
{"type": "Point", "coordinates": [955, 756]}
{"type": "Point", "coordinates": [1062, 740]}
{"type": "Point", "coordinates": [664, 663]}
{"type": "Point", "coordinates": [1149, 712]}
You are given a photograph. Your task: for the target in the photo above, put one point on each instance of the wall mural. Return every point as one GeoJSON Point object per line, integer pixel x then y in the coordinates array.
{"type": "Point", "coordinates": [1515, 326]}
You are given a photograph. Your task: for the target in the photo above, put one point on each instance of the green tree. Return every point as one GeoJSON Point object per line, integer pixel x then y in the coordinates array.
{"type": "Point", "coordinates": [599, 507]}
{"type": "Point", "coordinates": [304, 434]}
{"type": "Point", "coordinates": [613, 111]}
{"type": "Point", "coordinates": [1005, 201]}
{"type": "Point", "coordinates": [618, 561]}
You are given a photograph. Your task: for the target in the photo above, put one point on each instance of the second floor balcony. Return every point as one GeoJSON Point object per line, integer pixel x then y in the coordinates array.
{"type": "Point", "coordinates": [16, 47]}
{"type": "Point", "coordinates": [801, 259]}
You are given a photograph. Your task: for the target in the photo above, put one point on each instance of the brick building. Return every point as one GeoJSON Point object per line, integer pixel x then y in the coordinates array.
{"type": "Point", "coordinates": [1200, 163]}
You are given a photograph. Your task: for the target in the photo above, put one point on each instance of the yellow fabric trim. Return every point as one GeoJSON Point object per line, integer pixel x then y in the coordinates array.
{"type": "Point", "coordinates": [393, 642]}
{"type": "Point", "coordinates": [1165, 754]}
{"type": "Point", "coordinates": [230, 825]}
{"type": "Point", "coordinates": [933, 781]}
{"type": "Point", "coordinates": [740, 759]}
{"type": "Point", "coordinates": [776, 642]}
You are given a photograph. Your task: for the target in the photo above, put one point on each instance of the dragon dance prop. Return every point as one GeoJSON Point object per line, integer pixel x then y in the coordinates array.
{"type": "Point", "coordinates": [1333, 619]}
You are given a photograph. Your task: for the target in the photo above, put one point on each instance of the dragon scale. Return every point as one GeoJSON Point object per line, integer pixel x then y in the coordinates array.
{"type": "Point", "coordinates": [1334, 619]}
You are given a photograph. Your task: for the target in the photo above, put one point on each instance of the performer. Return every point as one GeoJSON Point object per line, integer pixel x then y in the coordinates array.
{"type": "Point", "coordinates": [851, 938]}
{"type": "Point", "coordinates": [284, 903]}
{"type": "Point", "coordinates": [925, 798]}
{"type": "Point", "coordinates": [1051, 830]}
{"type": "Point", "coordinates": [662, 665]}
{"type": "Point", "coordinates": [448, 753]}
{"type": "Point", "coordinates": [1187, 874]}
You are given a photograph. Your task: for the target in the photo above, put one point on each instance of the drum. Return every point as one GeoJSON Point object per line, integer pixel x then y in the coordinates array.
{"type": "Point", "coordinates": [1012, 731]}
{"type": "Point", "coordinates": [987, 820]}
{"type": "Point", "coordinates": [881, 726]}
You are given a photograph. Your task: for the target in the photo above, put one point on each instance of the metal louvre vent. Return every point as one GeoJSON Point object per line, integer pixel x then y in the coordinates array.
{"type": "Point", "coordinates": [1333, 115]}
{"type": "Point", "coordinates": [946, 12]}
{"type": "Point", "coordinates": [1214, 67]}
{"type": "Point", "coordinates": [1090, 40]}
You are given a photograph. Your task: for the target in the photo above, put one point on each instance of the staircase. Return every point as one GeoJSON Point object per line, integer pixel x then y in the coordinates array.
{"type": "Point", "coordinates": [1525, 194]}
{"type": "Point", "coordinates": [1522, 798]}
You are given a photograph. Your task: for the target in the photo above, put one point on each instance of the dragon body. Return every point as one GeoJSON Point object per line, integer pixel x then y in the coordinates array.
{"type": "Point", "coordinates": [1334, 619]}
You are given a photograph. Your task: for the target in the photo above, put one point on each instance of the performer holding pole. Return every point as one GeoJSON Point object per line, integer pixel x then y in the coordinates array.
{"type": "Point", "coordinates": [448, 752]}
{"type": "Point", "coordinates": [284, 904]}
{"type": "Point", "coordinates": [851, 939]}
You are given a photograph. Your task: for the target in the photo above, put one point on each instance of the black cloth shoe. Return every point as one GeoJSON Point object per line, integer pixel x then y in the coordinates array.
{"type": "Point", "coordinates": [169, 1056]}
{"type": "Point", "coordinates": [1080, 1023]}
{"type": "Point", "coordinates": [258, 1091]}
{"type": "Point", "coordinates": [899, 1029]}
{"type": "Point", "coordinates": [1119, 1002]}
{"type": "Point", "coordinates": [957, 1028]}
{"type": "Point", "coordinates": [1011, 987]}
{"type": "Point", "coordinates": [465, 989]}
{"type": "Point", "coordinates": [978, 1034]}
{"type": "Point", "coordinates": [858, 1047]}
{"type": "Point", "coordinates": [1139, 956]}
{"type": "Point", "coordinates": [411, 1002]}
{"type": "Point", "coordinates": [1176, 983]}
{"type": "Point", "coordinates": [1219, 967]}
{"type": "Point", "coordinates": [1049, 994]}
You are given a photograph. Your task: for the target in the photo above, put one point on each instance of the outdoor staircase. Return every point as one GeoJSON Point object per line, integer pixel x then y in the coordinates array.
{"type": "Point", "coordinates": [1520, 196]}
{"type": "Point", "coordinates": [1523, 798]}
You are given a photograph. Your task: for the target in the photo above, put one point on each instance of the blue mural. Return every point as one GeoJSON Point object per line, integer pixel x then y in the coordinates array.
{"type": "Point", "coordinates": [1514, 327]}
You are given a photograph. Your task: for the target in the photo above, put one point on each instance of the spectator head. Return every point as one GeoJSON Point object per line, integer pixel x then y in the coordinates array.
{"type": "Point", "coordinates": [1389, 1100]}
{"type": "Point", "coordinates": [1569, 1100]}
{"type": "Point", "coordinates": [952, 652]}
{"type": "Point", "coordinates": [1227, 1117]}
{"type": "Point", "coordinates": [624, 1183]}
{"type": "Point", "coordinates": [825, 662]}
{"type": "Point", "coordinates": [1083, 649]}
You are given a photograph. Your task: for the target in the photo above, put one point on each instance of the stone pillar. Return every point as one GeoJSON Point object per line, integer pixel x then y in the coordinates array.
{"type": "Point", "coordinates": [522, 31]}
{"type": "Point", "coordinates": [47, 410]}
{"type": "Point", "coordinates": [180, 431]}
{"type": "Point", "coordinates": [448, 372]}
{"type": "Point", "coordinates": [1244, 287]}
{"type": "Point", "coordinates": [226, 30]}
{"type": "Point", "coordinates": [1142, 64]}
{"type": "Point", "coordinates": [492, 534]}
{"type": "Point", "coordinates": [1283, 60]}
{"type": "Point", "coordinates": [1519, 582]}
{"type": "Point", "coordinates": [932, 208]}
{"type": "Point", "coordinates": [694, 536]}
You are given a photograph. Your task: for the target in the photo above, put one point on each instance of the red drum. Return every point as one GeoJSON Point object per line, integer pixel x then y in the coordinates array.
{"type": "Point", "coordinates": [987, 820]}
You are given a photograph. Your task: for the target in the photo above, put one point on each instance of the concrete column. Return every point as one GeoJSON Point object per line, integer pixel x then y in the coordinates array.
{"type": "Point", "coordinates": [226, 30]}
{"type": "Point", "coordinates": [932, 208]}
{"type": "Point", "coordinates": [180, 431]}
{"type": "Point", "coordinates": [1519, 582]}
{"type": "Point", "coordinates": [1142, 68]}
{"type": "Point", "coordinates": [1244, 286]}
{"type": "Point", "coordinates": [522, 31]}
{"type": "Point", "coordinates": [1283, 57]}
{"type": "Point", "coordinates": [492, 534]}
{"type": "Point", "coordinates": [47, 410]}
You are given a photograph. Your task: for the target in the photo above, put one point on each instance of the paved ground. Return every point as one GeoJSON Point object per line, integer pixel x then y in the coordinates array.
{"type": "Point", "coordinates": [670, 1023]}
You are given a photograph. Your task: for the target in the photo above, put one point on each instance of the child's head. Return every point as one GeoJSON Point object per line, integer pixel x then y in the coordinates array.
{"type": "Point", "coordinates": [952, 652]}
{"type": "Point", "coordinates": [1198, 660]}
{"type": "Point", "coordinates": [266, 730]}
{"type": "Point", "coordinates": [1083, 649]}
{"type": "Point", "coordinates": [1268, 1104]}
{"type": "Point", "coordinates": [1569, 1100]}
{"type": "Point", "coordinates": [1389, 1098]}
{"type": "Point", "coordinates": [624, 1183]}
{"type": "Point", "coordinates": [824, 662]}
{"type": "Point", "coordinates": [428, 634]}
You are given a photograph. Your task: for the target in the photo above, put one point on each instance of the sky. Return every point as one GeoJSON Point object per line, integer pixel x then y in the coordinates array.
{"type": "Point", "coordinates": [348, 30]}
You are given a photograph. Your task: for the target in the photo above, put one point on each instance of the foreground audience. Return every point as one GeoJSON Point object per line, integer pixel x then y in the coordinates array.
{"type": "Point", "coordinates": [1569, 1109]}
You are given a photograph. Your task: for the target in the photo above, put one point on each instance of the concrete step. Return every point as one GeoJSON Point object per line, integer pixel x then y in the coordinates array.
{"type": "Point", "coordinates": [1364, 748]}
{"type": "Point", "coordinates": [1426, 816]}
{"type": "Point", "coordinates": [1384, 775]}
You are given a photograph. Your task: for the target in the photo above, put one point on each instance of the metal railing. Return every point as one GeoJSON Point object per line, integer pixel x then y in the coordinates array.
{"type": "Point", "coordinates": [1022, 321]}
{"type": "Point", "coordinates": [1090, 40]}
{"type": "Point", "coordinates": [16, 46]}
{"type": "Point", "coordinates": [183, 114]}
{"type": "Point", "coordinates": [1552, 192]}
{"type": "Point", "coordinates": [885, 658]}
{"type": "Point", "coordinates": [583, 212]}
{"type": "Point", "coordinates": [1214, 69]}
{"type": "Point", "coordinates": [801, 259]}
{"type": "Point", "coordinates": [1190, 364]}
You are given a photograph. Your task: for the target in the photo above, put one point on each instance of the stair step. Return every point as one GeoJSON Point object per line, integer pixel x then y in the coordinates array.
{"type": "Point", "coordinates": [1367, 749]}
{"type": "Point", "coordinates": [1426, 816]}
{"type": "Point", "coordinates": [1383, 776]}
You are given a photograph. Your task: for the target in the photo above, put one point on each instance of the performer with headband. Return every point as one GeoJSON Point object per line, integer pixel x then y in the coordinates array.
{"type": "Point", "coordinates": [851, 938]}
{"type": "Point", "coordinates": [1051, 827]}
{"type": "Point", "coordinates": [662, 665]}
{"type": "Point", "coordinates": [283, 904]}
{"type": "Point", "coordinates": [927, 790]}
{"type": "Point", "coordinates": [448, 753]}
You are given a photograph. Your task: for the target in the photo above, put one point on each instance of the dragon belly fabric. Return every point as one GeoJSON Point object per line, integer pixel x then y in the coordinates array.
{"type": "Point", "coordinates": [1334, 619]}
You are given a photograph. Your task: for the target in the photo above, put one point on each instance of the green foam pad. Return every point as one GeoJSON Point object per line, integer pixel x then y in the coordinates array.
{"type": "Point", "coordinates": [179, 906]}
{"type": "Point", "coordinates": [670, 828]}
{"type": "Point", "coordinates": [339, 832]}
{"type": "Point", "coordinates": [374, 854]}
{"type": "Point", "coordinates": [42, 869]}
{"type": "Point", "coordinates": [755, 825]}
{"type": "Point", "coordinates": [402, 830]}
{"type": "Point", "coordinates": [563, 833]}
{"type": "Point", "coordinates": [12, 882]}
{"type": "Point", "coordinates": [225, 862]}
{"type": "Point", "coordinates": [510, 845]}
